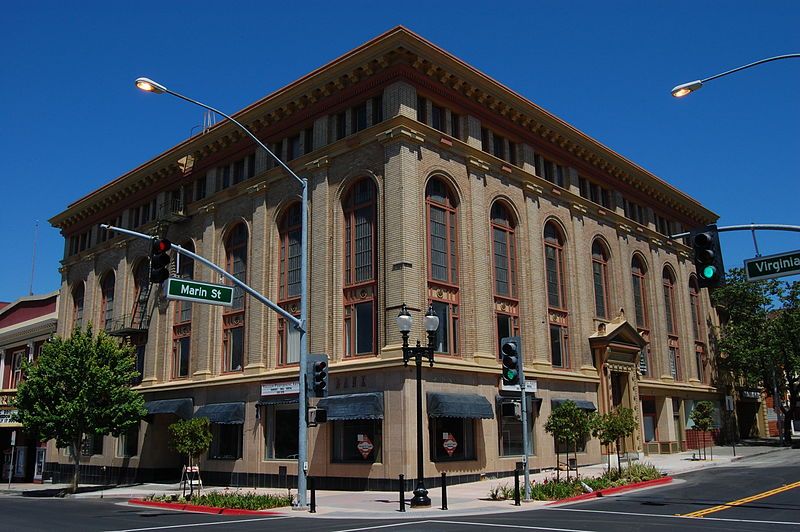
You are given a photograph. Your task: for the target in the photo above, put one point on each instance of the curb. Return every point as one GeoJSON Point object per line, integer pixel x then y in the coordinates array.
{"type": "Point", "coordinates": [200, 509]}
{"type": "Point", "coordinates": [611, 491]}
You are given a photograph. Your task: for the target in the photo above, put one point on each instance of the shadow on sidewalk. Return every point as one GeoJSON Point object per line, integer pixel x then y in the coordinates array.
{"type": "Point", "coordinates": [62, 492]}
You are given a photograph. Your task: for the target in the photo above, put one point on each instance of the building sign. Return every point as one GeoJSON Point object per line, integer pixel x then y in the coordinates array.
{"type": "Point", "coordinates": [5, 417]}
{"type": "Point", "coordinates": [197, 292]}
{"type": "Point", "coordinates": [364, 445]}
{"type": "Point", "coordinates": [772, 266]}
{"type": "Point", "coordinates": [449, 443]}
{"type": "Point", "coordinates": [749, 393]}
{"type": "Point", "coordinates": [280, 388]}
{"type": "Point", "coordinates": [530, 386]}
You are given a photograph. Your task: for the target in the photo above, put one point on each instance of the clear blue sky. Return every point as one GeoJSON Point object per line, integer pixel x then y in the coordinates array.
{"type": "Point", "coordinates": [72, 119]}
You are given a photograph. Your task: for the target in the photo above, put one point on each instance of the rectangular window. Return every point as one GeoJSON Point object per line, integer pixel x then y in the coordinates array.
{"type": "Point", "coordinates": [668, 309]}
{"type": "Point", "coordinates": [281, 436]}
{"type": "Point", "coordinates": [377, 109]}
{"type": "Point", "coordinates": [223, 177]}
{"type": "Point", "coordinates": [182, 355]}
{"type": "Point", "coordinates": [558, 346]}
{"type": "Point", "coordinates": [698, 360]}
{"type": "Point", "coordinates": [438, 118]}
{"type": "Point", "coordinates": [293, 147]}
{"type": "Point", "coordinates": [638, 302]}
{"type": "Point", "coordinates": [673, 362]}
{"type": "Point", "coordinates": [485, 146]}
{"type": "Point", "coordinates": [455, 126]}
{"type": "Point", "coordinates": [128, 443]}
{"type": "Point", "coordinates": [200, 188]}
{"type": "Point", "coordinates": [510, 429]}
{"type": "Point", "coordinates": [234, 343]}
{"type": "Point", "coordinates": [226, 442]}
{"type": "Point", "coordinates": [499, 147]}
{"type": "Point", "coordinates": [92, 444]}
{"type": "Point", "coordinates": [341, 125]}
{"type": "Point", "coordinates": [561, 176]}
{"type": "Point", "coordinates": [553, 282]}
{"type": "Point", "coordinates": [238, 171]}
{"type": "Point", "coordinates": [501, 262]}
{"type": "Point", "coordinates": [452, 439]}
{"type": "Point", "coordinates": [538, 164]}
{"type": "Point", "coordinates": [251, 165]}
{"type": "Point", "coordinates": [438, 238]}
{"type": "Point", "coordinates": [599, 289]}
{"type": "Point", "coordinates": [308, 140]}
{"type": "Point", "coordinates": [357, 440]}
{"type": "Point", "coordinates": [422, 110]}
{"type": "Point", "coordinates": [358, 118]}
{"type": "Point", "coordinates": [649, 418]}
{"type": "Point", "coordinates": [505, 328]}
{"type": "Point", "coordinates": [512, 153]}
{"type": "Point", "coordinates": [442, 310]}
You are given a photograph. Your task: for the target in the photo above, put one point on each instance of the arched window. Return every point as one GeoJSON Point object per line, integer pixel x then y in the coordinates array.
{"type": "Point", "coordinates": [504, 261]}
{"type": "Point", "coordinates": [289, 235]}
{"type": "Point", "coordinates": [141, 292]}
{"type": "Point", "coordinates": [555, 276]}
{"type": "Point", "coordinates": [182, 322]}
{"type": "Point", "coordinates": [360, 259]}
{"type": "Point", "coordinates": [442, 238]}
{"type": "Point", "coordinates": [639, 283]}
{"type": "Point", "coordinates": [600, 278]}
{"type": "Point", "coordinates": [107, 301]}
{"type": "Point", "coordinates": [673, 349]}
{"type": "Point", "coordinates": [233, 318]}
{"type": "Point", "coordinates": [78, 295]}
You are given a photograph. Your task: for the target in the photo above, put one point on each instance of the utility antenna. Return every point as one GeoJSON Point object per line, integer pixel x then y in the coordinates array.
{"type": "Point", "coordinates": [33, 259]}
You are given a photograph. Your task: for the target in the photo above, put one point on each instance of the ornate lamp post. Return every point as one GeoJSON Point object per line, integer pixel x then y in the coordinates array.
{"type": "Point", "coordinates": [404, 322]}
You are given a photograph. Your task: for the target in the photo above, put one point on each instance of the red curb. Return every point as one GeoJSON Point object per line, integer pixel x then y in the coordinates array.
{"type": "Point", "coordinates": [197, 508]}
{"type": "Point", "coordinates": [609, 491]}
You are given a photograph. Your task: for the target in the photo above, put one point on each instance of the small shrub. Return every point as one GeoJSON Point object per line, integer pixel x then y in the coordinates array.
{"type": "Point", "coordinates": [496, 492]}
{"type": "Point", "coordinates": [240, 500]}
{"type": "Point", "coordinates": [553, 489]}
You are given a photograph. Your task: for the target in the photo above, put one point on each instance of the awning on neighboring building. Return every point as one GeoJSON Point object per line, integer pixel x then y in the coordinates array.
{"type": "Point", "coordinates": [180, 407]}
{"type": "Point", "coordinates": [222, 413]}
{"type": "Point", "coordinates": [583, 405]}
{"type": "Point", "coordinates": [278, 400]}
{"type": "Point", "coordinates": [463, 405]}
{"type": "Point", "coordinates": [353, 406]}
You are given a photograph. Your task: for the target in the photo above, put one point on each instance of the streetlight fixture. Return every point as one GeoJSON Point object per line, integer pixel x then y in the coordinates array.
{"type": "Point", "coordinates": [301, 325]}
{"type": "Point", "coordinates": [684, 89]}
{"type": "Point", "coordinates": [404, 323]}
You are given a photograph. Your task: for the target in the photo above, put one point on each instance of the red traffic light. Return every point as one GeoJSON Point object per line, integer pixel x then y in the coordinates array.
{"type": "Point", "coordinates": [162, 246]}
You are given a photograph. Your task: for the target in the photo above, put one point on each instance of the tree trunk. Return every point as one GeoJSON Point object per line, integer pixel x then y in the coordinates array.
{"type": "Point", "coordinates": [608, 456]}
{"type": "Point", "coordinates": [558, 465]}
{"type": "Point", "coordinates": [76, 459]}
{"type": "Point", "coordinates": [575, 454]}
{"type": "Point", "coordinates": [619, 458]}
{"type": "Point", "coordinates": [788, 418]}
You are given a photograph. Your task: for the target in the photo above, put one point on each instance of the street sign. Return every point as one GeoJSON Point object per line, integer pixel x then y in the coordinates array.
{"type": "Point", "coordinates": [197, 292]}
{"type": "Point", "coordinates": [772, 266]}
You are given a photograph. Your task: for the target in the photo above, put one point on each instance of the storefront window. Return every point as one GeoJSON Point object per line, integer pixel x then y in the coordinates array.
{"type": "Point", "coordinates": [357, 440]}
{"type": "Point", "coordinates": [510, 428]}
{"type": "Point", "coordinates": [452, 439]}
{"type": "Point", "coordinates": [281, 432]}
{"type": "Point", "coordinates": [128, 443]}
{"type": "Point", "coordinates": [649, 418]}
{"type": "Point", "coordinates": [226, 443]}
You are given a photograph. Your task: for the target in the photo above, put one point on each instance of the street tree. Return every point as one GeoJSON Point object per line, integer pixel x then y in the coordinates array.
{"type": "Point", "coordinates": [569, 425]}
{"type": "Point", "coordinates": [760, 338]}
{"type": "Point", "coordinates": [614, 427]}
{"type": "Point", "coordinates": [703, 418]}
{"type": "Point", "coordinates": [191, 437]}
{"type": "Point", "coordinates": [79, 386]}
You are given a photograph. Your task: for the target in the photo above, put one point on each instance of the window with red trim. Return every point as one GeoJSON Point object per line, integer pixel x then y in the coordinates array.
{"type": "Point", "coordinates": [233, 317]}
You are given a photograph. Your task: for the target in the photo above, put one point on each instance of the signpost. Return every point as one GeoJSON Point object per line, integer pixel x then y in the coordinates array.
{"type": "Point", "coordinates": [197, 292]}
{"type": "Point", "coordinates": [772, 266]}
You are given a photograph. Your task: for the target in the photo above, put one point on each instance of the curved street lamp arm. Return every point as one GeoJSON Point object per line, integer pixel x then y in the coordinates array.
{"type": "Point", "coordinates": [243, 128]}
{"type": "Point", "coordinates": [737, 69]}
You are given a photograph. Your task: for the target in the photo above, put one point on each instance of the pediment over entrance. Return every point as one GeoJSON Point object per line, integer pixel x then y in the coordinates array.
{"type": "Point", "coordinates": [618, 340]}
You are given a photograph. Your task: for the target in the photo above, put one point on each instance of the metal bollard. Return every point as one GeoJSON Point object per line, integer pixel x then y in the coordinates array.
{"type": "Point", "coordinates": [444, 490]}
{"type": "Point", "coordinates": [313, 506]}
{"type": "Point", "coordinates": [402, 495]}
{"type": "Point", "coordinates": [516, 487]}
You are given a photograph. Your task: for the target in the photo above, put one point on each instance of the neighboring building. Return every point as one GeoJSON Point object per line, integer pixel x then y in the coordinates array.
{"type": "Point", "coordinates": [25, 325]}
{"type": "Point", "coordinates": [430, 184]}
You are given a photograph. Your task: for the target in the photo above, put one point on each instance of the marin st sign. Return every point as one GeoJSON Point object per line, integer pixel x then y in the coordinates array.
{"type": "Point", "coordinates": [779, 265]}
{"type": "Point", "coordinates": [197, 292]}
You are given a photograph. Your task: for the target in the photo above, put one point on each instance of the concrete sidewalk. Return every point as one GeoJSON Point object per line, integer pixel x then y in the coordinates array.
{"type": "Point", "coordinates": [463, 499]}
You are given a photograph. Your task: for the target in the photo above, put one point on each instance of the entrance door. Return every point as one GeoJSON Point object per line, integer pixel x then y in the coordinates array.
{"type": "Point", "coordinates": [38, 470]}
{"type": "Point", "coordinates": [619, 388]}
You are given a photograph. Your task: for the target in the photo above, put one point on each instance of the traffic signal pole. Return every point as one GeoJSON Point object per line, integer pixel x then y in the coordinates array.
{"type": "Point", "coordinates": [525, 437]}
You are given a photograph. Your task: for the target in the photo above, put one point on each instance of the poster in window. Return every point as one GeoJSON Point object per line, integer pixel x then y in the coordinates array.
{"type": "Point", "coordinates": [364, 445]}
{"type": "Point", "coordinates": [449, 443]}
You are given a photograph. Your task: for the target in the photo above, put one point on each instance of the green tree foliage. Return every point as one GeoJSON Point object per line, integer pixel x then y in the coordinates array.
{"type": "Point", "coordinates": [79, 386]}
{"type": "Point", "coordinates": [760, 337]}
{"type": "Point", "coordinates": [191, 437]}
{"type": "Point", "coordinates": [614, 427]}
{"type": "Point", "coordinates": [703, 418]}
{"type": "Point", "coordinates": [569, 425]}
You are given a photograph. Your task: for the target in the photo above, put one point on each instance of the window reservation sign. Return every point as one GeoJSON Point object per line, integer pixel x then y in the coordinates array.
{"type": "Point", "coordinates": [779, 265]}
{"type": "Point", "coordinates": [197, 292]}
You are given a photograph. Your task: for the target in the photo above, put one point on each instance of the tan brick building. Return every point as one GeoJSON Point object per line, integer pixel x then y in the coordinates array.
{"type": "Point", "coordinates": [430, 184]}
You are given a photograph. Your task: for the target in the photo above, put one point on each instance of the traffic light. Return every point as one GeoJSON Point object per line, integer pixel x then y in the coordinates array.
{"type": "Point", "coordinates": [317, 376]}
{"type": "Point", "coordinates": [159, 260]}
{"type": "Point", "coordinates": [707, 256]}
{"type": "Point", "coordinates": [510, 348]}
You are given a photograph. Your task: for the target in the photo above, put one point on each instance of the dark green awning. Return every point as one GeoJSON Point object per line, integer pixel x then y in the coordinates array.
{"type": "Point", "coordinates": [278, 400]}
{"type": "Point", "coordinates": [463, 405]}
{"type": "Point", "coordinates": [180, 407]}
{"type": "Point", "coordinates": [222, 413]}
{"type": "Point", "coordinates": [353, 406]}
{"type": "Point", "coordinates": [583, 405]}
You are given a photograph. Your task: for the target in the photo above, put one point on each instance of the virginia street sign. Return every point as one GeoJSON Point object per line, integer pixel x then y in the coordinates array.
{"type": "Point", "coordinates": [197, 292]}
{"type": "Point", "coordinates": [772, 266]}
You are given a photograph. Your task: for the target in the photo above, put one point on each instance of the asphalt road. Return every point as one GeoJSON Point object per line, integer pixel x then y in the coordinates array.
{"type": "Point", "coordinates": [757, 494]}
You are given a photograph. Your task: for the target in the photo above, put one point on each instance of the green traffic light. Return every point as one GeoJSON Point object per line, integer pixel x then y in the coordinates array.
{"type": "Point", "coordinates": [709, 272]}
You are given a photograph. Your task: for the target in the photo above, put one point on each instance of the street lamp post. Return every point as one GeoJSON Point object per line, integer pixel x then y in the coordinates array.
{"type": "Point", "coordinates": [404, 322]}
{"type": "Point", "coordinates": [301, 325]}
{"type": "Point", "coordinates": [684, 89]}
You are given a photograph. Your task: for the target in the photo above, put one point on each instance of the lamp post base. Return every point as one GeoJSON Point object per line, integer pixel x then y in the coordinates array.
{"type": "Point", "coordinates": [420, 498]}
